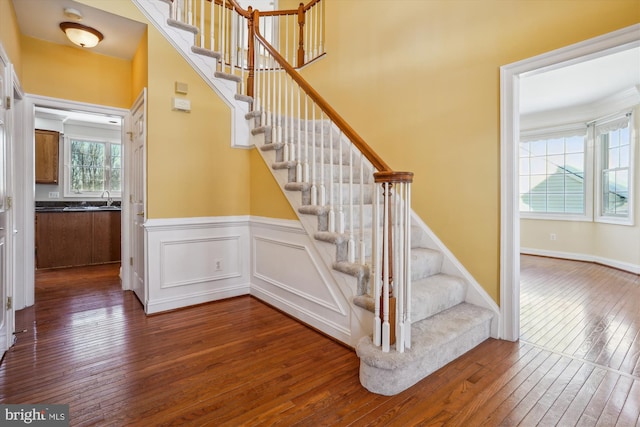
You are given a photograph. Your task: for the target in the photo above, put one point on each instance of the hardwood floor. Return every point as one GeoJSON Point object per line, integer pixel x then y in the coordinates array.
{"type": "Point", "coordinates": [240, 362]}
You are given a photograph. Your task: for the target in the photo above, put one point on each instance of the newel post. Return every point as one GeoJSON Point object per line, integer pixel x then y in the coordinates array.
{"type": "Point", "coordinates": [250, 53]}
{"type": "Point", "coordinates": [301, 35]}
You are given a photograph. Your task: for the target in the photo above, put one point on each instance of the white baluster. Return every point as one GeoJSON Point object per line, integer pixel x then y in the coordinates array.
{"type": "Point", "coordinates": [299, 164]}
{"type": "Point", "coordinates": [386, 328]}
{"type": "Point", "coordinates": [322, 191]}
{"type": "Point", "coordinates": [286, 151]}
{"type": "Point", "coordinates": [321, 47]}
{"type": "Point", "coordinates": [279, 72]}
{"type": "Point", "coordinates": [332, 212]}
{"type": "Point", "coordinates": [399, 256]}
{"type": "Point", "coordinates": [305, 166]}
{"type": "Point", "coordinates": [274, 99]}
{"type": "Point", "coordinates": [340, 188]}
{"type": "Point", "coordinates": [212, 13]}
{"type": "Point", "coordinates": [407, 265]}
{"type": "Point", "coordinates": [292, 150]}
{"type": "Point", "coordinates": [351, 245]}
{"type": "Point", "coordinates": [375, 268]}
{"type": "Point", "coordinates": [362, 185]}
{"type": "Point", "coordinates": [314, 187]}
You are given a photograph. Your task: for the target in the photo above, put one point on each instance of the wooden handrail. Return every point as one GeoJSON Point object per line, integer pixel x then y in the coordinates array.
{"type": "Point", "coordinates": [356, 139]}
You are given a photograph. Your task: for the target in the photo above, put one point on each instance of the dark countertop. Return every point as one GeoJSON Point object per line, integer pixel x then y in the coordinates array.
{"type": "Point", "coordinates": [78, 209]}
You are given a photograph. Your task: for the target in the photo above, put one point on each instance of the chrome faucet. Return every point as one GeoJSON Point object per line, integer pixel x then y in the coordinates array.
{"type": "Point", "coordinates": [109, 199]}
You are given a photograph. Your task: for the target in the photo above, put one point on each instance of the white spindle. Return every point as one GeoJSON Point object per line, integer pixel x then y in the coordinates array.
{"type": "Point", "coordinates": [299, 164]}
{"type": "Point", "coordinates": [279, 116]}
{"type": "Point", "coordinates": [322, 190]}
{"type": "Point", "coordinates": [386, 328]}
{"type": "Point", "coordinates": [233, 51]}
{"type": "Point", "coordinates": [321, 29]}
{"type": "Point", "coordinates": [293, 155]}
{"type": "Point", "coordinates": [314, 29]}
{"type": "Point", "coordinates": [332, 212]}
{"type": "Point", "coordinates": [314, 187]}
{"type": "Point", "coordinates": [305, 166]}
{"type": "Point", "coordinates": [399, 257]}
{"type": "Point", "coordinates": [375, 268]}
{"type": "Point", "coordinates": [362, 204]}
{"type": "Point", "coordinates": [202, 23]}
{"type": "Point", "coordinates": [351, 249]}
{"type": "Point", "coordinates": [407, 266]}
{"type": "Point", "coordinates": [340, 227]}
{"type": "Point", "coordinates": [285, 121]}
{"type": "Point", "coordinates": [212, 31]}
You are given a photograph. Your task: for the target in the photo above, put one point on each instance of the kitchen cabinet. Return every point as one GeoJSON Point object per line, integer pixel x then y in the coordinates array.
{"type": "Point", "coordinates": [67, 239]}
{"type": "Point", "coordinates": [46, 152]}
{"type": "Point", "coordinates": [106, 237]}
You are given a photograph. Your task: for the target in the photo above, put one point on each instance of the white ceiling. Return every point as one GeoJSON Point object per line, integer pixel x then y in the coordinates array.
{"type": "Point", "coordinates": [78, 118]}
{"type": "Point", "coordinates": [41, 19]}
{"type": "Point", "coordinates": [581, 83]}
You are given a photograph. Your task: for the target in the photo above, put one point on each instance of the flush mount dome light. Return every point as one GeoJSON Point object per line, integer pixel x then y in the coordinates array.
{"type": "Point", "coordinates": [81, 34]}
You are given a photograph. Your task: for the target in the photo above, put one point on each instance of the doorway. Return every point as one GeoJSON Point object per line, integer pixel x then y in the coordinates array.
{"type": "Point", "coordinates": [76, 114]}
{"type": "Point", "coordinates": [510, 77]}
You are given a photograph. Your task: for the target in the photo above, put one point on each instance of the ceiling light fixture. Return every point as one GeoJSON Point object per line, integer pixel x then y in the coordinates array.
{"type": "Point", "coordinates": [81, 34]}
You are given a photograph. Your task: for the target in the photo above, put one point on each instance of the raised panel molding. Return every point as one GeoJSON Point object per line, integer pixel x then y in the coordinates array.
{"type": "Point", "coordinates": [271, 259]}
{"type": "Point", "coordinates": [181, 256]}
{"type": "Point", "coordinates": [192, 261]}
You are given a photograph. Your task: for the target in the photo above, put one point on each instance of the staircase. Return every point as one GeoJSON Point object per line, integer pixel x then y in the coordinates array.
{"type": "Point", "coordinates": [331, 186]}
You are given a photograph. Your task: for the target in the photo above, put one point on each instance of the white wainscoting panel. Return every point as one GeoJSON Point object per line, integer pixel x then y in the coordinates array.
{"type": "Point", "coordinates": [288, 274]}
{"type": "Point", "coordinates": [196, 260]}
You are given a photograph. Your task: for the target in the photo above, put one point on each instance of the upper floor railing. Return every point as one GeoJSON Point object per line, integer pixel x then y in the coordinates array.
{"type": "Point", "coordinates": [223, 29]}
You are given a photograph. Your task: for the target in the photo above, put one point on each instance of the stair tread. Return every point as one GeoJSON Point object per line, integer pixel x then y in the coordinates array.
{"type": "Point", "coordinates": [435, 294]}
{"type": "Point", "coordinates": [430, 296]}
{"type": "Point", "coordinates": [428, 335]}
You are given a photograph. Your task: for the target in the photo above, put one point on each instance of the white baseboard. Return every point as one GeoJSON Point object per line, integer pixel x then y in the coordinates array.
{"type": "Point", "coordinates": [625, 266]}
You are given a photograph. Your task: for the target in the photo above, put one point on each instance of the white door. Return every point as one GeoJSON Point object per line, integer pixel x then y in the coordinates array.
{"type": "Point", "coordinates": [6, 311]}
{"type": "Point", "coordinates": [137, 196]}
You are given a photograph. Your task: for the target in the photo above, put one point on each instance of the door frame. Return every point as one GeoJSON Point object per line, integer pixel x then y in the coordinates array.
{"type": "Point", "coordinates": [509, 163]}
{"type": "Point", "coordinates": [28, 176]}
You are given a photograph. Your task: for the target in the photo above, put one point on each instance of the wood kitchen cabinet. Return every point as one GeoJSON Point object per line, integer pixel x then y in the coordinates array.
{"type": "Point", "coordinates": [46, 151]}
{"type": "Point", "coordinates": [106, 237]}
{"type": "Point", "coordinates": [67, 239]}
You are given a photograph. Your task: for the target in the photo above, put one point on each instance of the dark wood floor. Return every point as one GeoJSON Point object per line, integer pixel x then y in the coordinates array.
{"type": "Point", "coordinates": [240, 362]}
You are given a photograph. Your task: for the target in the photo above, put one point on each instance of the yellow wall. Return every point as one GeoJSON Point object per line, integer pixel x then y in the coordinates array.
{"type": "Point", "coordinates": [266, 196]}
{"type": "Point", "coordinates": [68, 72]}
{"type": "Point", "coordinates": [192, 170]}
{"type": "Point", "coordinates": [419, 80]}
{"type": "Point", "coordinates": [139, 67]}
{"type": "Point", "coordinates": [10, 34]}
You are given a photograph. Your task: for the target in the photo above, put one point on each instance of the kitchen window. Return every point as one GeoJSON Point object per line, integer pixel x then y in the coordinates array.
{"type": "Point", "coordinates": [92, 166]}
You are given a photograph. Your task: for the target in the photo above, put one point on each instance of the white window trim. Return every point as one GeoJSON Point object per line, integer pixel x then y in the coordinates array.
{"type": "Point", "coordinates": [588, 171]}
{"type": "Point", "coordinates": [67, 165]}
{"type": "Point", "coordinates": [628, 220]}
{"type": "Point", "coordinates": [593, 178]}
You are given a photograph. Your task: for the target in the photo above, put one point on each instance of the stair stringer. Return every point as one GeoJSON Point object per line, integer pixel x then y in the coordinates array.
{"type": "Point", "coordinates": [476, 295]}
{"type": "Point", "coordinates": [157, 12]}
{"type": "Point", "coordinates": [361, 320]}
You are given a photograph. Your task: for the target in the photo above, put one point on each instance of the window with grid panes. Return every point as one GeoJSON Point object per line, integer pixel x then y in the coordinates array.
{"type": "Point", "coordinates": [552, 174]}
